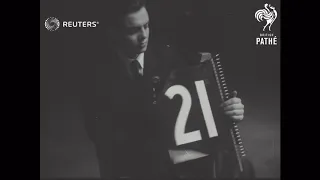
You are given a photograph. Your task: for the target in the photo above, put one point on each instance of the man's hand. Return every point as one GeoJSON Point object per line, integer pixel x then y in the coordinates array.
{"type": "Point", "coordinates": [233, 108]}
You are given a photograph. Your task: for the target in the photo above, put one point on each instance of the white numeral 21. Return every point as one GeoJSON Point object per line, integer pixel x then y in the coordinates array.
{"type": "Point", "coordinates": [179, 132]}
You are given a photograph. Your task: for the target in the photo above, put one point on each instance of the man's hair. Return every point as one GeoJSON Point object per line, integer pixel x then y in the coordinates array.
{"type": "Point", "coordinates": [116, 10]}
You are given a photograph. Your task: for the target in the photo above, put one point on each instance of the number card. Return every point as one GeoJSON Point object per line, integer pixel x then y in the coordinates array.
{"type": "Point", "coordinates": [190, 108]}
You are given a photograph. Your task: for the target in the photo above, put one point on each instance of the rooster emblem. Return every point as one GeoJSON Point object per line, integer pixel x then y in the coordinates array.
{"type": "Point", "coordinates": [266, 14]}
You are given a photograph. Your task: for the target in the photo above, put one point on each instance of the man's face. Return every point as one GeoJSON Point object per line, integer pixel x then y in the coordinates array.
{"type": "Point", "coordinates": [133, 39]}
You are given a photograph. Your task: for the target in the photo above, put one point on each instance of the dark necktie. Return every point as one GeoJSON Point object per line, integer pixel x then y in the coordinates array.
{"type": "Point", "coordinates": [135, 67]}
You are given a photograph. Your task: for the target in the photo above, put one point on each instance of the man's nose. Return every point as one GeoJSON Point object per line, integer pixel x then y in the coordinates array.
{"type": "Point", "coordinates": [144, 34]}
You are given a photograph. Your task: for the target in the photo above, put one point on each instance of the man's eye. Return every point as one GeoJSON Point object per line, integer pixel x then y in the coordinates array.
{"type": "Point", "coordinates": [146, 26]}
{"type": "Point", "coordinates": [132, 30]}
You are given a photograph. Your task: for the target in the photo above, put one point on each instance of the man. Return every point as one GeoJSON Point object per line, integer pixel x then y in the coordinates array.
{"type": "Point", "coordinates": [119, 101]}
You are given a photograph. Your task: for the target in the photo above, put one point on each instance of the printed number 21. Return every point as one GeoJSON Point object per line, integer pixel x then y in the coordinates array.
{"type": "Point", "coordinates": [179, 132]}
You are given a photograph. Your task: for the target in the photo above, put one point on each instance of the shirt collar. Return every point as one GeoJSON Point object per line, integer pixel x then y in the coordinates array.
{"type": "Point", "coordinates": [140, 59]}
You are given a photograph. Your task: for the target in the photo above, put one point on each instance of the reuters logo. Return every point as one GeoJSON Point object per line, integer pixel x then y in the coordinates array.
{"type": "Point", "coordinates": [52, 24]}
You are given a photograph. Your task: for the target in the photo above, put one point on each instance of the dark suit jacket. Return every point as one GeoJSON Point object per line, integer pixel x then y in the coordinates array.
{"type": "Point", "coordinates": [120, 114]}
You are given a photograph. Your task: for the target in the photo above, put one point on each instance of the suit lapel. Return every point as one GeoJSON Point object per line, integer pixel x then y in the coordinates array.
{"type": "Point", "coordinates": [150, 63]}
{"type": "Point", "coordinates": [124, 89]}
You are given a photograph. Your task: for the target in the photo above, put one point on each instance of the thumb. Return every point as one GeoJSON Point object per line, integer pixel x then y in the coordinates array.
{"type": "Point", "coordinates": [234, 94]}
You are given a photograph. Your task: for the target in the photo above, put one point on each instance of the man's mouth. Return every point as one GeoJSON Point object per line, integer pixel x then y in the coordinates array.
{"type": "Point", "coordinates": [143, 44]}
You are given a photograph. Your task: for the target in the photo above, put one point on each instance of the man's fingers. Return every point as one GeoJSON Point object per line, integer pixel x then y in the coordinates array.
{"type": "Point", "coordinates": [234, 100]}
{"type": "Point", "coordinates": [234, 94]}
{"type": "Point", "coordinates": [237, 118]}
{"type": "Point", "coordinates": [234, 107]}
{"type": "Point", "coordinates": [235, 112]}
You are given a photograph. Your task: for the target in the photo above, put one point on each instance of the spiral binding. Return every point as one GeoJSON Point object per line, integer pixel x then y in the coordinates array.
{"type": "Point", "coordinates": [235, 132]}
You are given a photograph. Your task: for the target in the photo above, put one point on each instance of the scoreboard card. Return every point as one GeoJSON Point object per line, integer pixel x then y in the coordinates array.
{"type": "Point", "coordinates": [190, 108]}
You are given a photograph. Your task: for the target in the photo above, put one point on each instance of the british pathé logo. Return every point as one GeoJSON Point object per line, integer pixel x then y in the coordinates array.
{"type": "Point", "coordinates": [267, 15]}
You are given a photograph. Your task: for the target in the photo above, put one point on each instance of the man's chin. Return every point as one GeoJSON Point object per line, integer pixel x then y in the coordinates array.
{"type": "Point", "coordinates": [142, 50]}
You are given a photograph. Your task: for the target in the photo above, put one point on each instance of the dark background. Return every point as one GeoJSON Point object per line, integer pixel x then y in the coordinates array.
{"type": "Point", "coordinates": [228, 27]}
